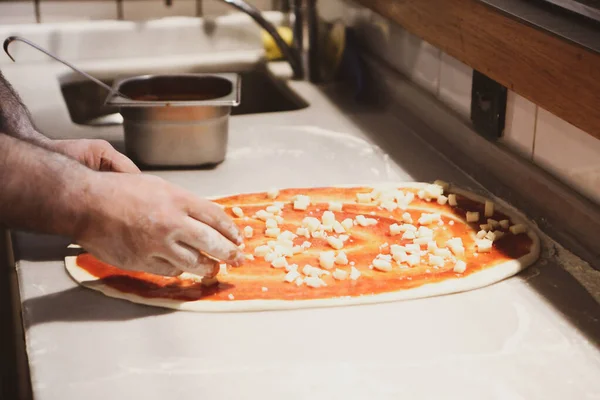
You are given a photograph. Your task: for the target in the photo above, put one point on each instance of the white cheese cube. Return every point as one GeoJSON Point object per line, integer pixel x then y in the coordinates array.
{"type": "Point", "coordinates": [460, 267]}
{"type": "Point", "coordinates": [291, 276]}
{"type": "Point", "coordinates": [273, 210]}
{"type": "Point", "coordinates": [301, 231]}
{"type": "Point", "coordinates": [481, 234]}
{"type": "Point", "coordinates": [435, 261]}
{"type": "Point", "coordinates": [230, 296]}
{"type": "Point", "coordinates": [354, 273]}
{"type": "Point", "coordinates": [327, 259]}
{"type": "Point", "coordinates": [422, 240]}
{"type": "Point", "coordinates": [335, 206]}
{"type": "Point", "coordinates": [263, 215]}
{"type": "Point", "coordinates": [389, 205]}
{"type": "Point", "coordinates": [407, 218]}
{"type": "Point", "coordinates": [238, 212]}
{"type": "Point", "coordinates": [278, 218]}
{"type": "Point", "coordinates": [272, 194]}
{"type": "Point", "coordinates": [489, 208]}
{"type": "Point", "coordinates": [271, 223]}
{"type": "Point", "coordinates": [395, 229]}
{"type": "Point", "coordinates": [334, 242]}
{"type": "Point", "coordinates": [424, 232]}
{"type": "Point", "coordinates": [302, 202]}
{"type": "Point", "coordinates": [472, 216]}
{"type": "Point", "coordinates": [504, 223]}
{"type": "Point", "coordinates": [490, 236]}
{"type": "Point", "coordinates": [485, 227]}
{"type": "Point", "coordinates": [291, 267]}
{"type": "Point", "coordinates": [363, 198]}
{"type": "Point", "coordinates": [272, 232]}
{"type": "Point", "coordinates": [270, 257]}
{"type": "Point", "coordinates": [412, 248]}
{"type": "Point", "coordinates": [248, 231]}
{"type": "Point", "coordinates": [279, 262]}
{"type": "Point", "coordinates": [484, 245]}
{"type": "Point", "coordinates": [363, 221]}
{"type": "Point", "coordinates": [442, 200]}
{"type": "Point", "coordinates": [306, 244]}
{"type": "Point", "coordinates": [314, 282]}
{"type": "Point", "coordinates": [382, 264]}
{"type": "Point", "coordinates": [408, 235]}
{"type": "Point", "coordinates": [311, 223]}
{"type": "Point", "coordinates": [348, 224]}
{"type": "Point", "coordinates": [413, 259]}
{"type": "Point", "coordinates": [498, 235]}
{"type": "Point", "coordinates": [287, 235]}
{"type": "Point", "coordinates": [493, 223]}
{"type": "Point", "coordinates": [427, 219]}
{"type": "Point", "coordinates": [518, 228]}
{"type": "Point", "coordinates": [339, 274]}
{"type": "Point", "coordinates": [299, 281]}
{"type": "Point", "coordinates": [328, 218]}
{"type": "Point", "coordinates": [338, 227]}
{"type": "Point", "coordinates": [452, 200]}
{"type": "Point", "coordinates": [341, 258]}
{"type": "Point", "coordinates": [431, 246]}
{"type": "Point", "coordinates": [262, 251]}
{"type": "Point", "coordinates": [444, 253]}
{"type": "Point", "coordinates": [249, 257]}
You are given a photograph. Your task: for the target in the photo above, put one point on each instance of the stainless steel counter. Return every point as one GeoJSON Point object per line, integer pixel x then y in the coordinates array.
{"type": "Point", "coordinates": [534, 336]}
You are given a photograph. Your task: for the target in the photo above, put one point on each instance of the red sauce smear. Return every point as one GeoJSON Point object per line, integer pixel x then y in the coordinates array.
{"type": "Point", "coordinates": [247, 282]}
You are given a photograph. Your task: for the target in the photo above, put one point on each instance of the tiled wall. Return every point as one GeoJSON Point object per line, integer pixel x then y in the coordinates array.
{"type": "Point", "coordinates": [552, 143]}
{"type": "Point", "coordinates": [13, 12]}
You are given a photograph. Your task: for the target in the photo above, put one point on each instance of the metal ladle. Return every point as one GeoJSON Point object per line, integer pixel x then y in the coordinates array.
{"type": "Point", "coordinates": [11, 39]}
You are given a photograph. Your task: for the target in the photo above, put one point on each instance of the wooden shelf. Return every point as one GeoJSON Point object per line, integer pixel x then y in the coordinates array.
{"type": "Point", "coordinates": [558, 75]}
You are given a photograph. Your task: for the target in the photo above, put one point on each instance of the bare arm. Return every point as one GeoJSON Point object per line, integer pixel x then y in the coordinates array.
{"type": "Point", "coordinates": [38, 188]}
{"type": "Point", "coordinates": [131, 221]}
{"type": "Point", "coordinates": [15, 119]}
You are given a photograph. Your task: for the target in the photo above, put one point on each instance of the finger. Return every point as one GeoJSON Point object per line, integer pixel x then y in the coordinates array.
{"type": "Point", "coordinates": [205, 239]}
{"type": "Point", "coordinates": [214, 216]}
{"type": "Point", "coordinates": [117, 162]}
{"type": "Point", "coordinates": [190, 260]}
{"type": "Point", "coordinates": [160, 266]}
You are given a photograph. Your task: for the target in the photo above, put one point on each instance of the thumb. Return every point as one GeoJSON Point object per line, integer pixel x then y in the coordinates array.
{"type": "Point", "coordinates": [117, 162]}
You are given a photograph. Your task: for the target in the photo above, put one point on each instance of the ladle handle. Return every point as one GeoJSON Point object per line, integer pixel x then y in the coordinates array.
{"type": "Point", "coordinates": [11, 39]}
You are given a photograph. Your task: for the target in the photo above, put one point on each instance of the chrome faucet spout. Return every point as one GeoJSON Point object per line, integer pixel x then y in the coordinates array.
{"type": "Point", "coordinates": [293, 55]}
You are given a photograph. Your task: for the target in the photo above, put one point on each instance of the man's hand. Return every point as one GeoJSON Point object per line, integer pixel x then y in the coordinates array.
{"type": "Point", "coordinates": [141, 222]}
{"type": "Point", "coordinates": [96, 154]}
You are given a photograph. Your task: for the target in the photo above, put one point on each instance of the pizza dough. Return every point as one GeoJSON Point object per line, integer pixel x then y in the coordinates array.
{"type": "Point", "coordinates": [258, 285]}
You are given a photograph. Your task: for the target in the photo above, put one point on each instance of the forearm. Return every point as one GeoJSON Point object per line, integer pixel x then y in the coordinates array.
{"type": "Point", "coordinates": [40, 190]}
{"type": "Point", "coordinates": [15, 119]}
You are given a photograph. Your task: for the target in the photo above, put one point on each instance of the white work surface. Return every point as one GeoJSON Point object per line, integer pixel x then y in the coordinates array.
{"type": "Point", "coordinates": [534, 336]}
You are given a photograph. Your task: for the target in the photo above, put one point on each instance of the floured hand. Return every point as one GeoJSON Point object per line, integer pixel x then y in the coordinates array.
{"type": "Point", "coordinates": [96, 154]}
{"type": "Point", "coordinates": [141, 222]}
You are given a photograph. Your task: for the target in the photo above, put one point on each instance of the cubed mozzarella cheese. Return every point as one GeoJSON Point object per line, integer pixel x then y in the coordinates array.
{"type": "Point", "coordinates": [347, 224]}
{"type": "Point", "coordinates": [301, 202]}
{"type": "Point", "coordinates": [279, 262]}
{"type": "Point", "coordinates": [354, 273]}
{"type": "Point", "coordinates": [262, 251]}
{"type": "Point", "coordinates": [442, 200]}
{"type": "Point", "coordinates": [408, 235]}
{"type": "Point", "coordinates": [238, 212]}
{"type": "Point", "coordinates": [327, 259]}
{"type": "Point", "coordinates": [339, 274]}
{"type": "Point", "coordinates": [481, 234]}
{"type": "Point", "coordinates": [291, 276]}
{"type": "Point", "coordinates": [472, 216]}
{"type": "Point", "coordinates": [272, 232]}
{"type": "Point", "coordinates": [334, 242]}
{"type": "Point", "coordinates": [311, 223]}
{"type": "Point", "coordinates": [504, 223]}
{"type": "Point", "coordinates": [328, 218]}
{"type": "Point", "coordinates": [335, 206]}
{"type": "Point", "coordinates": [263, 215]}
{"type": "Point", "coordinates": [407, 218]}
{"type": "Point", "coordinates": [314, 282]}
{"type": "Point", "coordinates": [460, 267]}
{"type": "Point", "coordinates": [518, 228]}
{"type": "Point", "coordinates": [395, 229]}
{"type": "Point", "coordinates": [272, 194]}
{"type": "Point", "coordinates": [248, 231]}
{"type": "Point", "coordinates": [452, 200]}
{"type": "Point", "coordinates": [271, 223]}
{"type": "Point", "coordinates": [435, 261]}
{"type": "Point", "coordinates": [363, 198]}
{"type": "Point", "coordinates": [483, 245]}
{"type": "Point", "coordinates": [341, 258]}
{"type": "Point", "coordinates": [382, 264]}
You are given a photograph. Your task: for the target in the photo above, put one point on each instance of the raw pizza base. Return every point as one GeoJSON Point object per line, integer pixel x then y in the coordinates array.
{"type": "Point", "coordinates": [473, 281]}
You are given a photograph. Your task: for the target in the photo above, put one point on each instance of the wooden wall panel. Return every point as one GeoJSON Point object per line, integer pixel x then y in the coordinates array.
{"type": "Point", "coordinates": [558, 75]}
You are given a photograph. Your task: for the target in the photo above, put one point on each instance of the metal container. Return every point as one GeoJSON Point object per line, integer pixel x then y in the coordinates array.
{"type": "Point", "coordinates": [176, 120]}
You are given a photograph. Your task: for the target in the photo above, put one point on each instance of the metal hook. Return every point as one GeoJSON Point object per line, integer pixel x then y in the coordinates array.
{"type": "Point", "coordinates": [11, 39]}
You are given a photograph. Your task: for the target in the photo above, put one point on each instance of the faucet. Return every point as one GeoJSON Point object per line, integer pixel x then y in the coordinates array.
{"type": "Point", "coordinates": [302, 59]}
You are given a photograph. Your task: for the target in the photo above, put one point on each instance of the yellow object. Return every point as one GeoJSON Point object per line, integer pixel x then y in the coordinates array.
{"type": "Point", "coordinates": [271, 49]}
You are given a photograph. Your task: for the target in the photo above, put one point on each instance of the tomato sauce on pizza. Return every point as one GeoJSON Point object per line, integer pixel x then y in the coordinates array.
{"type": "Point", "coordinates": [331, 242]}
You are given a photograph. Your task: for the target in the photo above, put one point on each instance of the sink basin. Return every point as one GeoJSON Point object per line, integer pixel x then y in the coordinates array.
{"type": "Point", "coordinates": [261, 93]}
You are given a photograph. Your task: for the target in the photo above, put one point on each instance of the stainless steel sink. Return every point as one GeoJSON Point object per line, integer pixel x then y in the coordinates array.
{"type": "Point", "coordinates": [261, 93]}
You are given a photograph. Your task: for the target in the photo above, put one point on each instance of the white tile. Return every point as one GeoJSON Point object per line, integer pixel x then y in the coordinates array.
{"type": "Point", "coordinates": [456, 80]}
{"type": "Point", "coordinates": [519, 127]}
{"type": "Point", "coordinates": [569, 153]}
{"type": "Point", "coordinates": [60, 11]}
{"type": "Point", "coordinates": [12, 12]}
{"type": "Point", "coordinates": [142, 10]}
{"type": "Point", "coordinates": [421, 62]}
